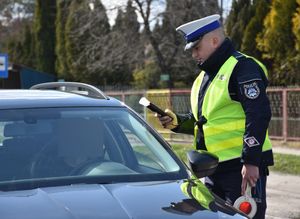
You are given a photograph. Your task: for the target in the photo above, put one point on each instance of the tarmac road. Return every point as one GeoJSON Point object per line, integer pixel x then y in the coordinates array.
{"type": "Point", "coordinates": [283, 196]}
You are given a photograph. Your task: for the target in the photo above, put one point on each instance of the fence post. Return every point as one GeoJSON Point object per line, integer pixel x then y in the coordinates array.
{"type": "Point", "coordinates": [123, 96]}
{"type": "Point", "coordinates": [170, 104]}
{"type": "Point", "coordinates": [144, 108]}
{"type": "Point", "coordinates": [284, 116]}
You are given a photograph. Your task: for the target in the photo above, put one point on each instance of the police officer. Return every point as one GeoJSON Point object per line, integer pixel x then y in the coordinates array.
{"type": "Point", "coordinates": [230, 112]}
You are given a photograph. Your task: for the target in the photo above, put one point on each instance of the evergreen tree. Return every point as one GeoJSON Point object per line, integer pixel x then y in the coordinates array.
{"type": "Point", "coordinates": [130, 22]}
{"type": "Point", "coordinates": [87, 40]}
{"type": "Point", "coordinates": [134, 53]}
{"type": "Point", "coordinates": [28, 55]}
{"type": "Point", "coordinates": [61, 65]}
{"type": "Point", "coordinates": [119, 24]}
{"type": "Point", "coordinates": [44, 31]}
{"type": "Point", "coordinates": [296, 31]}
{"type": "Point", "coordinates": [254, 27]}
{"type": "Point", "coordinates": [277, 41]}
{"type": "Point", "coordinates": [126, 48]}
{"type": "Point", "coordinates": [240, 14]}
{"type": "Point", "coordinates": [296, 26]}
{"type": "Point", "coordinates": [75, 36]}
{"type": "Point", "coordinates": [118, 49]}
{"type": "Point", "coordinates": [14, 50]}
{"type": "Point", "coordinates": [20, 48]}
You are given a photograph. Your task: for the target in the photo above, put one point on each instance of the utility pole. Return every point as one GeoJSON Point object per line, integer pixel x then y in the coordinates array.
{"type": "Point", "coordinates": [221, 10]}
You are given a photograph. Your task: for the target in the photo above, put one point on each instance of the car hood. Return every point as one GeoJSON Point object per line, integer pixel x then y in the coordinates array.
{"type": "Point", "coordinates": [120, 200]}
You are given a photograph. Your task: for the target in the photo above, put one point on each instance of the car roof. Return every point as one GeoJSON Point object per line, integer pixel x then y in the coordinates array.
{"type": "Point", "coordinates": [12, 99]}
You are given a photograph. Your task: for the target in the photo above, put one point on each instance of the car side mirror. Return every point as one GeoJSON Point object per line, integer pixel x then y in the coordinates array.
{"type": "Point", "coordinates": [202, 163]}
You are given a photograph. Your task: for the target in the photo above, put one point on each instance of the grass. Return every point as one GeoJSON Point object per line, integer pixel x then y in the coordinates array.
{"type": "Point", "coordinates": [284, 163]}
{"type": "Point", "coordinates": [289, 144]}
{"type": "Point", "coordinates": [181, 150]}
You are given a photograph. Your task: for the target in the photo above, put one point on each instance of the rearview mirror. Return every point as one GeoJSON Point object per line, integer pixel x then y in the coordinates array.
{"type": "Point", "coordinates": [202, 163]}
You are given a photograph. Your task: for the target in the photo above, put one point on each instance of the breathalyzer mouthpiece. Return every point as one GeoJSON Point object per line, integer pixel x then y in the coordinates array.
{"type": "Point", "coordinates": [143, 101]}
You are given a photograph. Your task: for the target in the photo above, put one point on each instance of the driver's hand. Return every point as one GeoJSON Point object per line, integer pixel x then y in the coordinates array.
{"type": "Point", "coordinates": [168, 122]}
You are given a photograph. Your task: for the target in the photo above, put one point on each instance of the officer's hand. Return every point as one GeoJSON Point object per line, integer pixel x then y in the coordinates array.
{"type": "Point", "coordinates": [168, 122]}
{"type": "Point", "coordinates": [250, 174]}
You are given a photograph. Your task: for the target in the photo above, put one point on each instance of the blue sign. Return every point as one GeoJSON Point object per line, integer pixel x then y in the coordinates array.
{"type": "Point", "coordinates": [3, 66]}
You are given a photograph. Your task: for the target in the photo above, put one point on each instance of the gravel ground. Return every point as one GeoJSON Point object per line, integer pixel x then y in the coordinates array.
{"type": "Point", "coordinates": [283, 192]}
{"type": "Point", "coordinates": [283, 196]}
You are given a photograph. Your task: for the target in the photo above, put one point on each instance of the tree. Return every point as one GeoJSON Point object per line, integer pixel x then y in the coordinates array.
{"type": "Point", "coordinates": [135, 51]}
{"type": "Point", "coordinates": [166, 44]}
{"type": "Point", "coordinates": [296, 31]}
{"type": "Point", "coordinates": [28, 56]}
{"type": "Point", "coordinates": [14, 16]}
{"type": "Point", "coordinates": [146, 78]}
{"type": "Point", "coordinates": [296, 26]}
{"type": "Point", "coordinates": [277, 42]}
{"type": "Point", "coordinates": [61, 65]}
{"type": "Point", "coordinates": [44, 32]}
{"type": "Point", "coordinates": [14, 49]}
{"type": "Point", "coordinates": [15, 9]}
{"type": "Point", "coordinates": [20, 48]}
{"type": "Point", "coordinates": [182, 67]}
{"type": "Point", "coordinates": [144, 9]}
{"type": "Point", "coordinates": [254, 27]}
{"type": "Point", "coordinates": [87, 42]}
{"type": "Point", "coordinates": [240, 14]}
{"type": "Point", "coordinates": [125, 57]}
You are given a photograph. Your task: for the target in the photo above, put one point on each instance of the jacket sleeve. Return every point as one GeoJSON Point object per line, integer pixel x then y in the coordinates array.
{"type": "Point", "coordinates": [250, 85]}
{"type": "Point", "coordinates": [185, 123]}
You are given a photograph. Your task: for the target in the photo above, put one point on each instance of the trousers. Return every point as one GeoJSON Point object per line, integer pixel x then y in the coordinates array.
{"type": "Point", "coordinates": [227, 185]}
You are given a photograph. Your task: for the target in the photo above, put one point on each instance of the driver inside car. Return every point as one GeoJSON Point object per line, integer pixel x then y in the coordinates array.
{"type": "Point", "coordinates": [78, 146]}
{"type": "Point", "coordinates": [79, 143]}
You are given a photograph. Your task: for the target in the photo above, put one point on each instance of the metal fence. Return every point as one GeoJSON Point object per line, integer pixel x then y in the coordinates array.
{"type": "Point", "coordinates": [285, 102]}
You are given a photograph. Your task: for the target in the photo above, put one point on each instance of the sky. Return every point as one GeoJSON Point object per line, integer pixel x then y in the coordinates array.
{"type": "Point", "coordinates": [226, 6]}
{"type": "Point", "coordinates": [113, 4]}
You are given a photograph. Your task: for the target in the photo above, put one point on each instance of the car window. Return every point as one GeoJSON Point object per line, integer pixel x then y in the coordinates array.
{"type": "Point", "coordinates": [88, 141]}
{"type": "Point", "coordinates": [143, 153]}
{"type": "Point", "coordinates": [147, 149]}
{"type": "Point", "coordinates": [2, 124]}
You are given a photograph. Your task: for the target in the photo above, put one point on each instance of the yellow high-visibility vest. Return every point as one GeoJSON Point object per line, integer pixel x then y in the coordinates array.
{"type": "Point", "coordinates": [225, 126]}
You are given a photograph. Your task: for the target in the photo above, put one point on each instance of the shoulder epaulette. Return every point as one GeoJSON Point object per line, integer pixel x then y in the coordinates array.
{"type": "Point", "coordinates": [238, 55]}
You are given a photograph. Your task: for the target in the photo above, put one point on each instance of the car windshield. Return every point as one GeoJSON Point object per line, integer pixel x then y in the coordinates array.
{"type": "Point", "coordinates": [89, 143]}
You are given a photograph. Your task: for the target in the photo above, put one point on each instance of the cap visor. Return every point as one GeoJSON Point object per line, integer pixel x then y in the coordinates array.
{"type": "Point", "coordinates": [190, 45]}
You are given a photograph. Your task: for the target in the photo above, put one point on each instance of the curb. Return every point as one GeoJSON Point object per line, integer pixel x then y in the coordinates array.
{"type": "Point", "coordinates": [286, 150]}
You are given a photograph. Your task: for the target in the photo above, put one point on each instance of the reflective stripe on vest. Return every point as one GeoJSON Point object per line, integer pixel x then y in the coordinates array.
{"type": "Point", "coordinates": [195, 94]}
{"type": "Point", "coordinates": [194, 101]}
{"type": "Point", "coordinates": [225, 126]}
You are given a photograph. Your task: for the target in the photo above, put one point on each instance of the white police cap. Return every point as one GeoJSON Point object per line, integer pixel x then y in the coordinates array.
{"type": "Point", "coordinates": [194, 30]}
